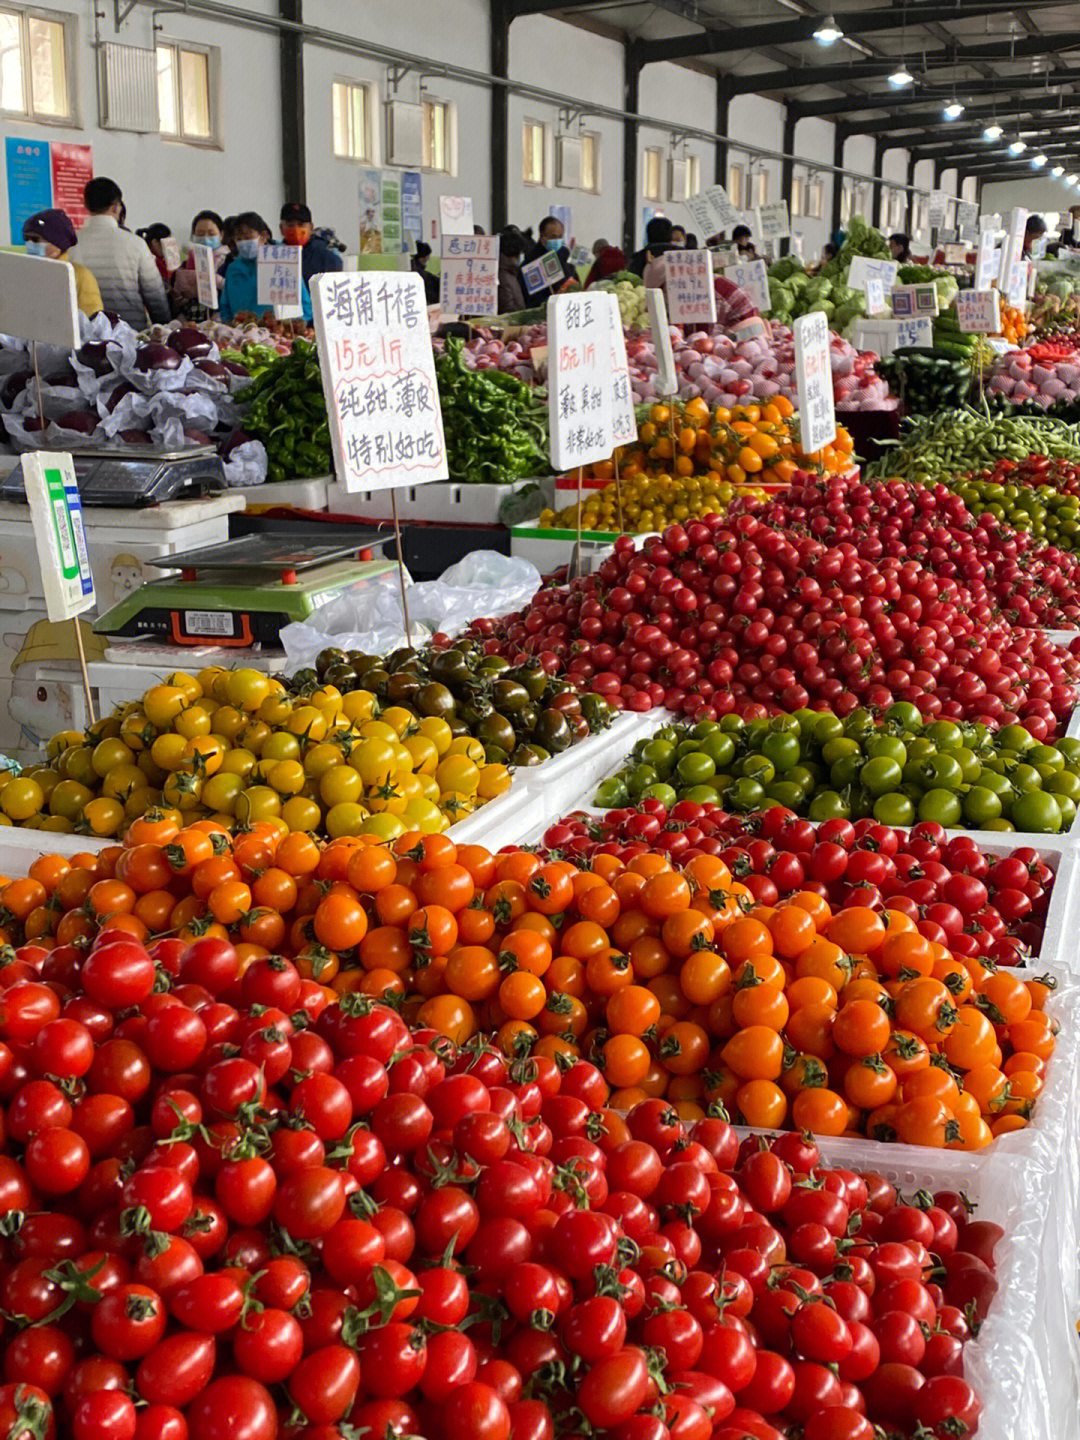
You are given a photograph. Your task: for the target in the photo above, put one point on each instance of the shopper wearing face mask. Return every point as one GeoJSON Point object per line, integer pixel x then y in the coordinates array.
{"type": "Point", "coordinates": [206, 230]}
{"type": "Point", "coordinates": [241, 293]}
{"type": "Point", "coordinates": [50, 234]}
{"type": "Point", "coordinates": [551, 242]}
{"type": "Point", "coordinates": [316, 256]}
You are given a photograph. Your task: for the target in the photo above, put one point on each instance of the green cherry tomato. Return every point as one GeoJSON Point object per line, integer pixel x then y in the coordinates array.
{"type": "Point", "coordinates": [1037, 812]}
{"type": "Point", "coordinates": [880, 775]}
{"type": "Point", "coordinates": [695, 769]}
{"type": "Point", "coordinates": [980, 806]}
{"type": "Point", "coordinates": [895, 809]}
{"type": "Point", "coordinates": [942, 806]}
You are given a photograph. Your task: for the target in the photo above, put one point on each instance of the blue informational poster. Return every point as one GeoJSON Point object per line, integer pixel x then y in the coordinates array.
{"type": "Point", "coordinates": [29, 181]}
{"type": "Point", "coordinates": [412, 207]}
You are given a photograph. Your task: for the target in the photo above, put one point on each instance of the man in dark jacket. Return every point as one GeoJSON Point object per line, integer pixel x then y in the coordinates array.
{"type": "Point", "coordinates": [296, 229]}
{"type": "Point", "coordinates": [657, 243]}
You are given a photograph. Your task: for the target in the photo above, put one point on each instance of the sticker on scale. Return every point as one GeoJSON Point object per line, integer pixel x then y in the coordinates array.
{"type": "Point", "coordinates": [209, 622]}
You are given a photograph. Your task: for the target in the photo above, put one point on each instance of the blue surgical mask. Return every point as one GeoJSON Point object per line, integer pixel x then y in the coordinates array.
{"type": "Point", "coordinates": [553, 243]}
{"type": "Point", "coordinates": [210, 241]}
{"type": "Point", "coordinates": [37, 247]}
{"type": "Point", "coordinates": [247, 249]}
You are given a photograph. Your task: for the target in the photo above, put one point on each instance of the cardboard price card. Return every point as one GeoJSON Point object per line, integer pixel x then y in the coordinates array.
{"type": "Point", "coordinates": [987, 260]}
{"type": "Point", "coordinates": [623, 419]}
{"type": "Point", "coordinates": [813, 381]}
{"type": "Point", "coordinates": [712, 211]}
{"type": "Point", "coordinates": [919, 333]}
{"type": "Point", "coordinates": [875, 296]}
{"type": "Point", "coordinates": [752, 276]}
{"type": "Point", "coordinates": [772, 220]}
{"type": "Point", "coordinates": [939, 208]}
{"type": "Point", "coordinates": [691, 296]}
{"type": "Point", "coordinates": [967, 214]}
{"type": "Point", "coordinates": [378, 372]}
{"type": "Point", "coordinates": [667, 382]}
{"type": "Point", "coordinates": [469, 275]}
{"type": "Point", "coordinates": [581, 386]}
{"type": "Point", "coordinates": [56, 515]}
{"type": "Point", "coordinates": [955, 254]}
{"type": "Point", "coordinates": [979, 311]}
{"type": "Point", "coordinates": [278, 275]}
{"type": "Point", "coordinates": [206, 291]}
{"type": "Point", "coordinates": [864, 268]}
{"type": "Point", "coordinates": [455, 214]}
{"type": "Point", "coordinates": [170, 253]}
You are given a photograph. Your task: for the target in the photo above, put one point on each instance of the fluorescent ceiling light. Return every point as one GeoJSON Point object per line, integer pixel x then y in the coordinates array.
{"type": "Point", "coordinates": [828, 32]}
{"type": "Point", "coordinates": [1018, 146]}
{"type": "Point", "coordinates": [993, 132]}
{"type": "Point", "coordinates": [901, 77]}
{"type": "Point", "coordinates": [1071, 179]}
{"type": "Point", "coordinates": [953, 110]}
{"type": "Point", "coordinates": [1058, 170]}
{"type": "Point", "coordinates": [1038, 161]}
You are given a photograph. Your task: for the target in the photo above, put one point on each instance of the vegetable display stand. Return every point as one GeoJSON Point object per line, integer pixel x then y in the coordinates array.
{"type": "Point", "coordinates": [549, 549]}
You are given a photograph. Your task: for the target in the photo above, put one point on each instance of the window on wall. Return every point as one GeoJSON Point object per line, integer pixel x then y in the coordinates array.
{"type": "Point", "coordinates": [815, 199]}
{"type": "Point", "coordinates": [187, 92]}
{"type": "Point", "coordinates": [798, 195]}
{"type": "Point", "coordinates": [847, 202]}
{"type": "Point", "coordinates": [590, 161]}
{"type": "Point", "coordinates": [352, 120]}
{"type": "Point", "coordinates": [693, 175]}
{"type": "Point", "coordinates": [534, 152]}
{"type": "Point", "coordinates": [35, 65]}
{"type": "Point", "coordinates": [438, 121]}
{"type": "Point", "coordinates": [759, 188]}
{"type": "Point", "coordinates": [736, 185]}
{"type": "Point", "coordinates": [652, 174]}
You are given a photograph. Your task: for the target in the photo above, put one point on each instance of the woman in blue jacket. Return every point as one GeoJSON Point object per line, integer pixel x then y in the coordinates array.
{"type": "Point", "coordinates": [241, 292]}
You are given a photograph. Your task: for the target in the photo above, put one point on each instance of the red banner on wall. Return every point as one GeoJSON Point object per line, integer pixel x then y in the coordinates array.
{"type": "Point", "coordinates": [72, 167]}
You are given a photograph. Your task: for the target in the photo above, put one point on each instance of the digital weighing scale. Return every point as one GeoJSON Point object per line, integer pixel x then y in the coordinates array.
{"type": "Point", "coordinates": [243, 592]}
{"type": "Point", "coordinates": [140, 475]}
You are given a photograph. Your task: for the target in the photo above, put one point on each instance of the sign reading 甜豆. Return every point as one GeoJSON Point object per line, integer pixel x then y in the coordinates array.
{"type": "Point", "coordinates": [379, 378]}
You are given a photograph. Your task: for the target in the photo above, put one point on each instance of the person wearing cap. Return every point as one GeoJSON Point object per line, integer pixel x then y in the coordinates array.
{"type": "Point", "coordinates": [51, 235]}
{"type": "Point", "coordinates": [316, 256]}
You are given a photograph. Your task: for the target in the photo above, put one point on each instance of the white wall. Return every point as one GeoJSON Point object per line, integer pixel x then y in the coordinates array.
{"type": "Point", "coordinates": [814, 139]}
{"type": "Point", "coordinates": [1037, 192]}
{"type": "Point", "coordinates": [753, 119]}
{"type": "Point", "coordinates": [165, 179]}
{"type": "Point", "coordinates": [682, 97]}
{"type": "Point", "coordinates": [588, 65]}
{"type": "Point", "coordinates": [456, 32]}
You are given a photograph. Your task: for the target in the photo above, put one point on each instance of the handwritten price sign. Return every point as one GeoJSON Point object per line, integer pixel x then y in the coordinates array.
{"type": "Point", "coordinates": [378, 374]}
{"type": "Point", "coordinates": [813, 380]}
{"type": "Point", "coordinates": [590, 411]}
{"type": "Point", "coordinates": [691, 298]}
{"type": "Point", "coordinates": [469, 275]}
{"type": "Point", "coordinates": [278, 275]}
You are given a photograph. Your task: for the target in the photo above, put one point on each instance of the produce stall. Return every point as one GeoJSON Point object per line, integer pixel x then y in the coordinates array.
{"type": "Point", "coordinates": [638, 1003]}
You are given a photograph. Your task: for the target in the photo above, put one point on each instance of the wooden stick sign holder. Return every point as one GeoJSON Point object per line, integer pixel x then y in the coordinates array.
{"type": "Point", "coordinates": [382, 398]}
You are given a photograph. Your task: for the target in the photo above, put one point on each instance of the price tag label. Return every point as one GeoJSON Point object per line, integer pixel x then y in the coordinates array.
{"type": "Point", "coordinates": [986, 262]}
{"type": "Point", "coordinates": [278, 275]}
{"type": "Point", "coordinates": [864, 268]}
{"type": "Point", "coordinates": [170, 253]}
{"type": "Point", "coordinates": [914, 300]}
{"type": "Point", "coordinates": [939, 208]}
{"type": "Point", "coordinates": [751, 276]}
{"type": "Point", "coordinates": [623, 420]}
{"type": "Point", "coordinates": [580, 255]}
{"type": "Point", "coordinates": [955, 254]}
{"type": "Point", "coordinates": [542, 273]}
{"type": "Point", "coordinates": [205, 276]}
{"type": "Point", "coordinates": [56, 515]}
{"type": "Point", "coordinates": [585, 418]}
{"type": "Point", "coordinates": [37, 300]}
{"type": "Point", "coordinates": [813, 381]}
{"type": "Point", "coordinates": [967, 214]}
{"type": "Point", "coordinates": [772, 221]}
{"type": "Point", "coordinates": [378, 373]}
{"type": "Point", "coordinates": [455, 214]}
{"type": "Point", "coordinates": [469, 275]}
{"type": "Point", "coordinates": [918, 333]}
{"type": "Point", "coordinates": [667, 382]}
{"type": "Point", "coordinates": [1018, 283]}
{"type": "Point", "coordinates": [691, 297]}
{"type": "Point", "coordinates": [875, 296]}
{"type": "Point", "coordinates": [979, 311]}
{"type": "Point", "coordinates": [713, 211]}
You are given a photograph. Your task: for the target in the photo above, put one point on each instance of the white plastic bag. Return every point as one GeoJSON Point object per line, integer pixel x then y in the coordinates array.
{"type": "Point", "coordinates": [246, 464]}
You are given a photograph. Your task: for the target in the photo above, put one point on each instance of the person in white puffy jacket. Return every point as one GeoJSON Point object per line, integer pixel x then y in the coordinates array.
{"type": "Point", "coordinates": [119, 261]}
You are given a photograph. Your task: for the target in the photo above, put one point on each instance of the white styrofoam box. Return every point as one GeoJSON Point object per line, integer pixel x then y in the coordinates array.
{"type": "Point", "coordinates": [19, 848]}
{"type": "Point", "coordinates": [548, 549]}
{"type": "Point", "coordinates": [576, 771]}
{"type": "Point", "coordinates": [41, 690]}
{"type": "Point", "coordinates": [1025, 1362]}
{"type": "Point", "coordinates": [450, 501]}
{"type": "Point", "coordinates": [126, 671]}
{"type": "Point", "coordinates": [502, 821]}
{"type": "Point", "coordinates": [297, 494]}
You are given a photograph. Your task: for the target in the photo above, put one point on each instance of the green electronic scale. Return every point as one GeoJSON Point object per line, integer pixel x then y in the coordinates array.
{"type": "Point", "coordinates": [242, 592]}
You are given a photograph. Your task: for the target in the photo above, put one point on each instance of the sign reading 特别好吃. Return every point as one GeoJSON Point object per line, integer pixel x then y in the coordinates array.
{"type": "Point", "coordinates": [378, 374]}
